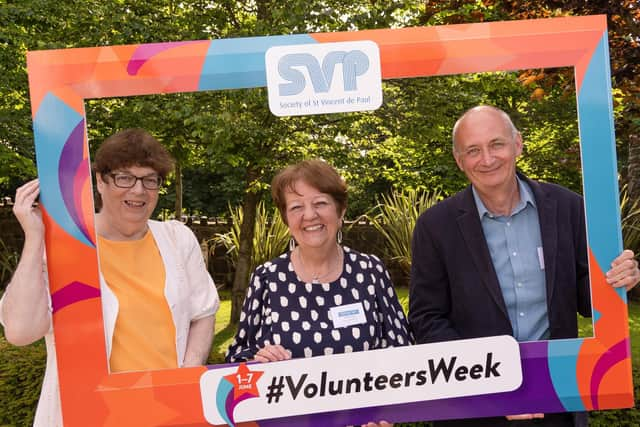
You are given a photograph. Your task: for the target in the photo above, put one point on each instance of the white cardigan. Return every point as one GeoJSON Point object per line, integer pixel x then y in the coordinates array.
{"type": "Point", "coordinates": [189, 290]}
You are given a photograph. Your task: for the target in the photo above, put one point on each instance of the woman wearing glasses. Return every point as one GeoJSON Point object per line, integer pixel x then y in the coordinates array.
{"type": "Point", "coordinates": [158, 299]}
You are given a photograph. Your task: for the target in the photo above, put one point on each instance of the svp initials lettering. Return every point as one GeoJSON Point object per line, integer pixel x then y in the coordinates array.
{"type": "Point", "coordinates": [354, 63]}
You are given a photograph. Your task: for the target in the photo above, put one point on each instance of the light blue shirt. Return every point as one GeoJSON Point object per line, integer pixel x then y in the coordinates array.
{"type": "Point", "coordinates": [515, 245]}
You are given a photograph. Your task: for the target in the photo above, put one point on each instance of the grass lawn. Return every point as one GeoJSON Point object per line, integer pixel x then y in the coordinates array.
{"type": "Point", "coordinates": [224, 331]}
{"type": "Point", "coordinates": [634, 332]}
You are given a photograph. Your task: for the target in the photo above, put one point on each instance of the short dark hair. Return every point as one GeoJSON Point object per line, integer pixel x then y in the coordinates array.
{"type": "Point", "coordinates": [132, 147]}
{"type": "Point", "coordinates": [316, 173]}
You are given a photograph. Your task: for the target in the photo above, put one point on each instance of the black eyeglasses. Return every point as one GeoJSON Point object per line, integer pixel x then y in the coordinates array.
{"type": "Point", "coordinates": [126, 180]}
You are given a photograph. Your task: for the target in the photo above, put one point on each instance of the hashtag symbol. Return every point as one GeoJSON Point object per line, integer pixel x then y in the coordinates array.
{"type": "Point", "coordinates": [274, 391]}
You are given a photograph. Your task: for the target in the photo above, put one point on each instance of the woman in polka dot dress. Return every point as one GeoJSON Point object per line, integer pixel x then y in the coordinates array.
{"type": "Point", "coordinates": [319, 298]}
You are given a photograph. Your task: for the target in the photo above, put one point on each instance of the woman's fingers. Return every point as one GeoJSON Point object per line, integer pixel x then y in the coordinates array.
{"type": "Point", "coordinates": [25, 209]}
{"type": "Point", "coordinates": [272, 353]}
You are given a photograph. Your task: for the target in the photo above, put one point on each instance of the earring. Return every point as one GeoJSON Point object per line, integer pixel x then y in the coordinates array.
{"type": "Point", "coordinates": [339, 237]}
{"type": "Point", "coordinates": [292, 244]}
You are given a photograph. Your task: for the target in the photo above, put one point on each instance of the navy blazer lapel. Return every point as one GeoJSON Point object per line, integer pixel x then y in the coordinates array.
{"type": "Point", "coordinates": [548, 218]}
{"type": "Point", "coordinates": [471, 230]}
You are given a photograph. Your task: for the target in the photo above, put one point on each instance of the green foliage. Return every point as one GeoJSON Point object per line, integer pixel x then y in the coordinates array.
{"type": "Point", "coordinates": [617, 417]}
{"type": "Point", "coordinates": [15, 168]}
{"type": "Point", "coordinates": [269, 241]}
{"type": "Point", "coordinates": [218, 137]}
{"type": "Point", "coordinates": [403, 297]}
{"type": "Point", "coordinates": [630, 212]}
{"type": "Point", "coordinates": [8, 262]}
{"type": "Point", "coordinates": [396, 219]}
{"type": "Point", "coordinates": [176, 120]}
{"type": "Point", "coordinates": [21, 374]}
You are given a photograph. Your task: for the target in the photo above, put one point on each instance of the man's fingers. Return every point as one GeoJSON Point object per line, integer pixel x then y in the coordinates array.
{"type": "Point", "coordinates": [524, 416]}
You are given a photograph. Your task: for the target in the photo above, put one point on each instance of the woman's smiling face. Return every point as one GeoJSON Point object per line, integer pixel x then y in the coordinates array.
{"type": "Point", "coordinates": [312, 216]}
{"type": "Point", "coordinates": [127, 205]}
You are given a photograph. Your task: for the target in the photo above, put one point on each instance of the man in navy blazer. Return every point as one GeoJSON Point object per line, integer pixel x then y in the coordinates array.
{"type": "Point", "coordinates": [505, 256]}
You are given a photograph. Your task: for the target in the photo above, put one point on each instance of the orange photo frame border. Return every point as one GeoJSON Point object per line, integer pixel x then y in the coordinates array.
{"type": "Point", "coordinates": [584, 373]}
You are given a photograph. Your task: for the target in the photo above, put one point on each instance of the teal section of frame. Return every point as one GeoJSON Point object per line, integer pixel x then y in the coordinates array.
{"type": "Point", "coordinates": [239, 63]}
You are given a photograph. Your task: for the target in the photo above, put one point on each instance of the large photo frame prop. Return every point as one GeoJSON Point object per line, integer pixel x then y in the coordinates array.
{"type": "Point", "coordinates": [563, 375]}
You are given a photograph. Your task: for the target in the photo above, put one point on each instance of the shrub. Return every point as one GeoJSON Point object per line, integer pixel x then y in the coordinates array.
{"type": "Point", "coordinates": [630, 224]}
{"type": "Point", "coordinates": [8, 262]}
{"type": "Point", "coordinates": [630, 220]}
{"type": "Point", "coordinates": [396, 218]}
{"type": "Point", "coordinates": [21, 374]}
{"type": "Point", "coordinates": [269, 240]}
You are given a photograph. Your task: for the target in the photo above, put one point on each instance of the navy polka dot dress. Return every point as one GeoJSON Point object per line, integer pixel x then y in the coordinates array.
{"type": "Point", "coordinates": [281, 309]}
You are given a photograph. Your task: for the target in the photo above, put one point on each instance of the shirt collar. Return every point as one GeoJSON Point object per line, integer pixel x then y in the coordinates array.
{"type": "Point", "coordinates": [526, 197]}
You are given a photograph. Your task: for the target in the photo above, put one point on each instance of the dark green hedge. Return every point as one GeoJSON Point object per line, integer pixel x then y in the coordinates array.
{"type": "Point", "coordinates": [21, 373]}
{"type": "Point", "coordinates": [618, 417]}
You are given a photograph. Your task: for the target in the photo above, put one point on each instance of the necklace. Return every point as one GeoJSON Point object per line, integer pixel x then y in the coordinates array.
{"type": "Point", "coordinates": [316, 277]}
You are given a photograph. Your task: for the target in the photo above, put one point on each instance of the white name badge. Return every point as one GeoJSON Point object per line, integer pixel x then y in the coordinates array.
{"type": "Point", "coordinates": [347, 315]}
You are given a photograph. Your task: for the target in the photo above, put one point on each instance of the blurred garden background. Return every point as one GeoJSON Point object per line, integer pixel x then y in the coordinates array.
{"type": "Point", "coordinates": [397, 160]}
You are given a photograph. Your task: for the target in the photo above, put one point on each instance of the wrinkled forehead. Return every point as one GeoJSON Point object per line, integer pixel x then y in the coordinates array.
{"type": "Point", "coordinates": [482, 127]}
{"type": "Point", "coordinates": [302, 188]}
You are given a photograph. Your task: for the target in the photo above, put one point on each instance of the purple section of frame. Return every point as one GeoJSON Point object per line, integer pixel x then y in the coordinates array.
{"type": "Point", "coordinates": [145, 51]}
{"type": "Point", "coordinates": [231, 403]}
{"type": "Point", "coordinates": [229, 406]}
{"type": "Point", "coordinates": [72, 293]}
{"type": "Point", "coordinates": [617, 353]}
{"type": "Point", "coordinates": [71, 159]}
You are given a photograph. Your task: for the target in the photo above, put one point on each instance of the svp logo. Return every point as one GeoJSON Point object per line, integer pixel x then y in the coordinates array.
{"type": "Point", "coordinates": [323, 78]}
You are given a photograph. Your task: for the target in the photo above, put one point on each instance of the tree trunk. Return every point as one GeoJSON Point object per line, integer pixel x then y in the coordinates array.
{"type": "Point", "coordinates": [178, 206]}
{"type": "Point", "coordinates": [245, 252]}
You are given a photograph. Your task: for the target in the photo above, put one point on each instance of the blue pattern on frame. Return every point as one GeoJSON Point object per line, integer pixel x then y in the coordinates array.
{"type": "Point", "coordinates": [594, 104]}
{"type": "Point", "coordinates": [52, 126]}
{"type": "Point", "coordinates": [239, 63]}
{"type": "Point", "coordinates": [562, 359]}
